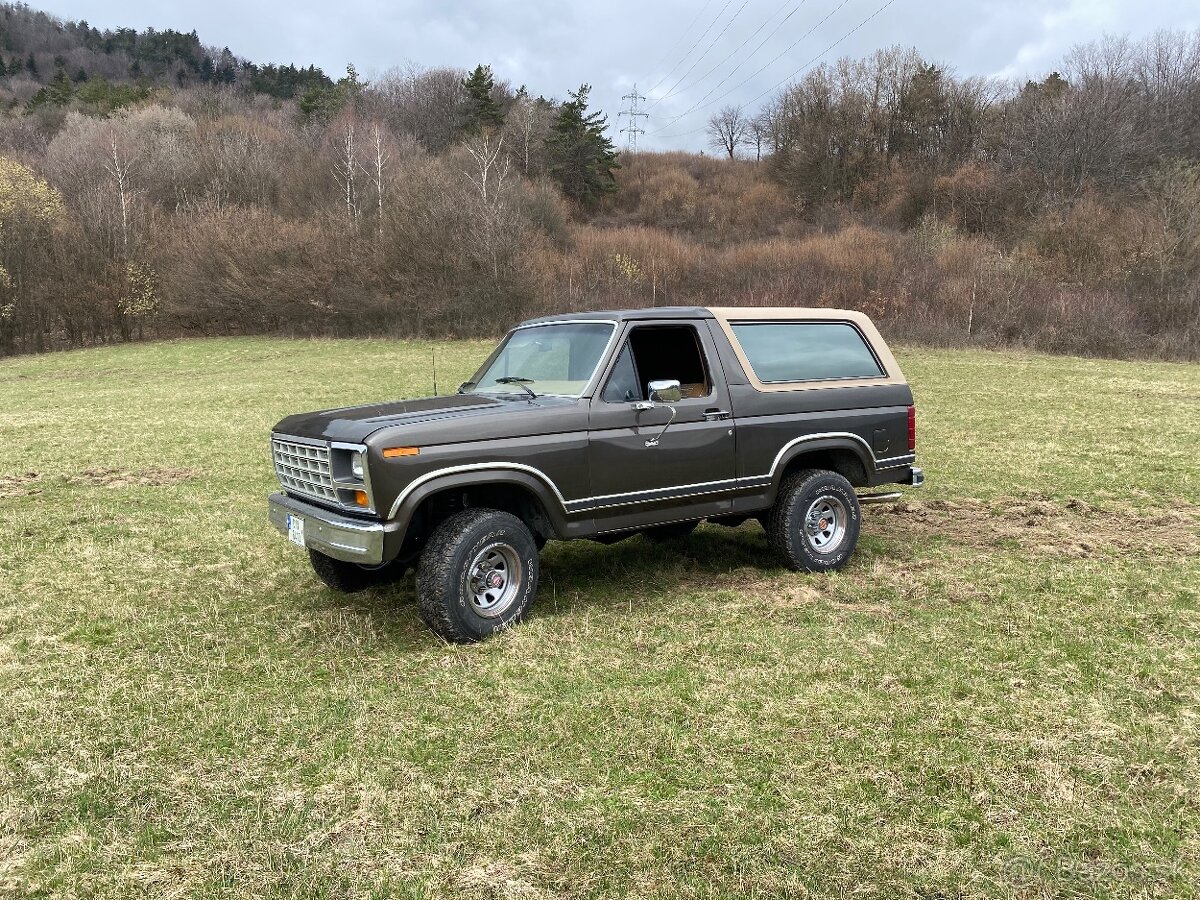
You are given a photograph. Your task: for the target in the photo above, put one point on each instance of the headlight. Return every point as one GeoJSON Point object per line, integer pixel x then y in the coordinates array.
{"type": "Point", "coordinates": [356, 464]}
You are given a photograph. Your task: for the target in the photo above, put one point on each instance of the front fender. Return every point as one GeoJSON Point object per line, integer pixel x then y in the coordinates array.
{"type": "Point", "coordinates": [533, 480]}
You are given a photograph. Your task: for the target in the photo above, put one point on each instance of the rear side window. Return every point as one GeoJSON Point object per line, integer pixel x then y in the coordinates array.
{"type": "Point", "coordinates": [806, 351]}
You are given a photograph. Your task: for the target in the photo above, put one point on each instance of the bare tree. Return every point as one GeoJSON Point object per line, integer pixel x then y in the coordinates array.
{"type": "Point", "coordinates": [379, 161]}
{"type": "Point", "coordinates": [119, 169]}
{"type": "Point", "coordinates": [345, 165]}
{"type": "Point", "coordinates": [528, 124]}
{"type": "Point", "coordinates": [424, 103]}
{"type": "Point", "coordinates": [491, 165]}
{"type": "Point", "coordinates": [1173, 192]}
{"type": "Point", "coordinates": [758, 132]}
{"type": "Point", "coordinates": [727, 130]}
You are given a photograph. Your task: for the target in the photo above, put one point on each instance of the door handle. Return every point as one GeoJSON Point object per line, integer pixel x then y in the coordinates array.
{"type": "Point", "coordinates": [717, 415]}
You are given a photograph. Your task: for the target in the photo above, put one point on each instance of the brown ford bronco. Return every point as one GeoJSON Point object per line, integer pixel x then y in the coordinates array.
{"type": "Point", "coordinates": [601, 426]}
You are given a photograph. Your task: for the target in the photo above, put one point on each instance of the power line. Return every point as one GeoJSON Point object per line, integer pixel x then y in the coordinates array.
{"type": "Point", "coordinates": [707, 51]}
{"type": "Point", "coordinates": [823, 52]}
{"type": "Point", "coordinates": [632, 130]}
{"type": "Point", "coordinates": [703, 34]}
{"type": "Point", "coordinates": [678, 41]}
{"type": "Point", "coordinates": [791, 77]}
{"type": "Point", "coordinates": [699, 104]}
{"type": "Point", "coordinates": [738, 48]}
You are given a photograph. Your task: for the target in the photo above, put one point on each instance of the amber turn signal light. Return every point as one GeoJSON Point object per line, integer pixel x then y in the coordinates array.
{"type": "Point", "coordinates": [360, 497]}
{"type": "Point", "coordinates": [393, 452]}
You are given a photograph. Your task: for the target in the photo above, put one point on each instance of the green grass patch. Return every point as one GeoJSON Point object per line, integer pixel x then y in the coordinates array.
{"type": "Point", "coordinates": [997, 698]}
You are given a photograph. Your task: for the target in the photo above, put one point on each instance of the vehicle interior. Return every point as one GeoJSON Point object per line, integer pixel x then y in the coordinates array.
{"type": "Point", "coordinates": [658, 353]}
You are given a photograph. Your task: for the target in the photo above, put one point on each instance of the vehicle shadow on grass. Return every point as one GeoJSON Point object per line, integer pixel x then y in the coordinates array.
{"type": "Point", "coordinates": [604, 576]}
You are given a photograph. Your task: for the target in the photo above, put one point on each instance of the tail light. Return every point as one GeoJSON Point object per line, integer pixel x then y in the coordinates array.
{"type": "Point", "coordinates": [912, 429]}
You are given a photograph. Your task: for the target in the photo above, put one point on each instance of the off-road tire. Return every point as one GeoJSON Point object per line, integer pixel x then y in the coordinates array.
{"type": "Point", "coordinates": [787, 532]}
{"type": "Point", "coordinates": [350, 578]}
{"type": "Point", "coordinates": [676, 531]}
{"type": "Point", "coordinates": [445, 594]}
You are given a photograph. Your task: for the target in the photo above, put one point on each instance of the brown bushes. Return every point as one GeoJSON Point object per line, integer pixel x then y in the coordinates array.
{"type": "Point", "coordinates": [715, 200]}
{"type": "Point", "coordinates": [249, 271]}
{"type": "Point", "coordinates": [239, 218]}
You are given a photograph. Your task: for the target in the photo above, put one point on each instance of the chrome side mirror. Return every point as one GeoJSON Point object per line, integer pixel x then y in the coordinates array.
{"type": "Point", "coordinates": [666, 391]}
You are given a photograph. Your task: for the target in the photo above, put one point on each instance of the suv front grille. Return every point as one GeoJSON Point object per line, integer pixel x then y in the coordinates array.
{"type": "Point", "coordinates": [304, 469]}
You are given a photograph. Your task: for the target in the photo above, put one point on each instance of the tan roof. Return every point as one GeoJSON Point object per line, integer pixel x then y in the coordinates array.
{"type": "Point", "coordinates": [727, 315]}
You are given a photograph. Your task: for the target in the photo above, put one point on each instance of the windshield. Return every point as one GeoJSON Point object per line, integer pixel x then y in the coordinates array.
{"type": "Point", "coordinates": [548, 359]}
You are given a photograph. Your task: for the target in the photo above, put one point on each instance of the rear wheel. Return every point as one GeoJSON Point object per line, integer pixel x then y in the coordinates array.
{"type": "Point", "coordinates": [815, 522]}
{"type": "Point", "coordinates": [477, 575]}
{"type": "Point", "coordinates": [350, 578]}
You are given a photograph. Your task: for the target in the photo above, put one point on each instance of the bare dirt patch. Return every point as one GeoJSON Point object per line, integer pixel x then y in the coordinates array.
{"type": "Point", "coordinates": [1044, 527]}
{"type": "Point", "coordinates": [751, 581]}
{"type": "Point", "coordinates": [28, 484]}
{"type": "Point", "coordinates": [20, 485]}
{"type": "Point", "coordinates": [120, 478]}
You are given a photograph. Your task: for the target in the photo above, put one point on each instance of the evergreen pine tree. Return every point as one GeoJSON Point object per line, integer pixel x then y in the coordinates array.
{"type": "Point", "coordinates": [322, 103]}
{"type": "Point", "coordinates": [3, 67]}
{"type": "Point", "coordinates": [350, 87]}
{"type": "Point", "coordinates": [582, 158]}
{"type": "Point", "coordinates": [60, 90]}
{"type": "Point", "coordinates": [31, 65]}
{"type": "Point", "coordinates": [226, 73]}
{"type": "Point", "coordinates": [482, 111]}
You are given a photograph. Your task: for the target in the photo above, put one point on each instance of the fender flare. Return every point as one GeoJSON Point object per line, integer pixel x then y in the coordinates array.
{"type": "Point", "coordinates": [842, 440]}
{"type": "Point", "coordinates": [533, 480]}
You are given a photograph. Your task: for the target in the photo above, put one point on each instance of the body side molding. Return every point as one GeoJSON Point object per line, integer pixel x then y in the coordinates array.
{"type": "Point", "coordinates": [584, 504]}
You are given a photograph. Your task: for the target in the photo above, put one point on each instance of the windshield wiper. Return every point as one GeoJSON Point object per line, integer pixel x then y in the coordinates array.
{"type": "Point", "coordinates": [522, 383]}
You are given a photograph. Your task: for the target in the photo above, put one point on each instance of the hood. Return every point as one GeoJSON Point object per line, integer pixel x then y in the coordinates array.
{"type": "Point", "coordinates": [354, 424]}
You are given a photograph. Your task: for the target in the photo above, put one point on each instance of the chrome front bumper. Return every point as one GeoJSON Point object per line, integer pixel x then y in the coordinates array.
{"type": "Point", "coordinates": [341, 537]}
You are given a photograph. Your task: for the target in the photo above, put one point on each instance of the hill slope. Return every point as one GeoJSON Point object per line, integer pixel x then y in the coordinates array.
{"type": "Point", "coordinates": [35, 46]}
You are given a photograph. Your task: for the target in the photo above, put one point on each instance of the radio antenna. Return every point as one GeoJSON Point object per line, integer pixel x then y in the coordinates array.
{"type": "Point", "coordinates": [433, 357]}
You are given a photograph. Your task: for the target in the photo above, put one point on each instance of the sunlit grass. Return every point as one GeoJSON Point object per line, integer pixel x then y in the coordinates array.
{"type": "Point", "coordinates": [999, 697]}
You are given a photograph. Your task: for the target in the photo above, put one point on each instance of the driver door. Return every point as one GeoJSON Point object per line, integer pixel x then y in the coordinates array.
{"type": "Point", "coordinates": [689, 472]}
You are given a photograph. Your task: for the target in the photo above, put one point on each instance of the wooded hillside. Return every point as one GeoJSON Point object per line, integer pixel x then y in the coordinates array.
{"type": "Point", "coordinates": [153, 186]}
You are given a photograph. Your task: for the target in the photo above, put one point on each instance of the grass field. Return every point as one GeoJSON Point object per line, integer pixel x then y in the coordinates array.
{"type": "Point", "coordinates": [998, 698]}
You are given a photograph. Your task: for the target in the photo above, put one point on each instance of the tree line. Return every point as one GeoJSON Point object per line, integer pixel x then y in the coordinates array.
{"type": "Point", "coordinates": [1090, 176]}
{"type": "Point", "coordinates": [407, 205]}
{"type": "Point", "coordinates": [36, 47]}
{"type": "Point", "coordinates": [1062, 214]}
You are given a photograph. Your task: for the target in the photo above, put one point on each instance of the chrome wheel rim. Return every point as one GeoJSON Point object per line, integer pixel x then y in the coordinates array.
{"type": "Point", "coordinates": [825, 524]}
{"type": "Point", "coordinates": [494, 579]}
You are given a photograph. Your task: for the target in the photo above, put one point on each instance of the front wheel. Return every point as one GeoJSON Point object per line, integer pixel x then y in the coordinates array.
{"type": "Point", "coordinates": [815, 522]}
{"type": "Point", "coordinates": [477, 575]}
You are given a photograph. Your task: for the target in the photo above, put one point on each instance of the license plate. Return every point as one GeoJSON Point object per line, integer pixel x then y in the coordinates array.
{"type": "Point", "coordinates": [295, 526]}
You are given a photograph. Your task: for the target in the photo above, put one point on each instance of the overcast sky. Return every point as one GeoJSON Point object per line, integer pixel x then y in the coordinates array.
{"type": "Point", "coordinates": [555, 45]}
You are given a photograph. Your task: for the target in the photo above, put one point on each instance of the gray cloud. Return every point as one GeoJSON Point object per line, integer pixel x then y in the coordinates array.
{"type": "Point", "coordinates": [553, 46]}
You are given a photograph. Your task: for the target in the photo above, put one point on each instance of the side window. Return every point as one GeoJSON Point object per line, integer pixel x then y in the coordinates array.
{"type": "Point", "coordinates": [806, 351]}
{"type": "Point", "coordinates": [622, 384]}
{"type": "Point", "coordinates": [658, 353]}
{"type": "Point", "coordinates": [670, 353]}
